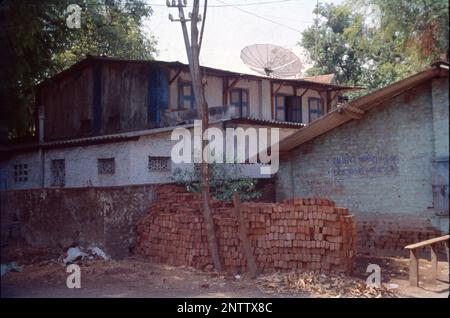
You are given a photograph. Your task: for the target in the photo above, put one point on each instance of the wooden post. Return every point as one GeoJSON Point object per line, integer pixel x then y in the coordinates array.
{"type": "Point", "coordinates": [413, 268]}
{"type": "Point", "coordinates": [434, 262]}
{"type": "Point", "coordinates": [243, 236]}
{"type": "Point", "coordinates": [446, 250]}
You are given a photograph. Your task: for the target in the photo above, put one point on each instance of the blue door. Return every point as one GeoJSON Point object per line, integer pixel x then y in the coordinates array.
{"type": "Point", "coordinates": [158, 94]}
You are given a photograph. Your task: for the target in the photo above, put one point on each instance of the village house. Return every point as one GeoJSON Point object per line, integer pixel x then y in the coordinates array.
{"type": "Point", "coordinates": [108, 122]}
{"type": "Point", "coordinates": [385, 156]}
{"type": "Point", "coordinates": [104, 145]}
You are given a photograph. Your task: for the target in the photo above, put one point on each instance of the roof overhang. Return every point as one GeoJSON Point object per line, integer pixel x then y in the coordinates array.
{"type": "Point", "coordinates": [357, 108]}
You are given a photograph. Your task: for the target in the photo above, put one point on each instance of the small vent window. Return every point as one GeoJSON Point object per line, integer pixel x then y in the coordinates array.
{"type": "Point", "coordinates": [58, 172]}
{"type": "Point", "coordinates": [106, 166]}
{"type": "Point", "coordinates": [158, 163]}
{"type": "Point", "coordinates": [21, 172]}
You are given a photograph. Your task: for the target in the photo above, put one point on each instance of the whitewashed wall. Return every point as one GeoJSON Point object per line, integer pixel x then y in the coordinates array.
{"type": "Point", "coordinates": [131, 164]}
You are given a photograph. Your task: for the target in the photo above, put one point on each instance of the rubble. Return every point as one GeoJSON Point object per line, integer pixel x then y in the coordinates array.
{"type": "Point", "coordinates": [13, 266]}
{"type": "Point", "coordinates": [321, 285]}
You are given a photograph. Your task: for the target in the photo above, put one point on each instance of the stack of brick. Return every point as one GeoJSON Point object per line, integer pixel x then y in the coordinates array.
{"type": "Point", "coordinates": [309, 234]}
{"type": "Point", "coordinates": [388, 235]}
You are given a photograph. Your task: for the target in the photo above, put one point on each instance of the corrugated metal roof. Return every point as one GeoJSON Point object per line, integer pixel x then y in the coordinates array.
{"type": "Point", "coordinates": [208, 70]}
{"type": "Point", "coordinates": [324, 79]}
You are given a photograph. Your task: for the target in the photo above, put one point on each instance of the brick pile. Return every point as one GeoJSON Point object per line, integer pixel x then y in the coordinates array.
{"type": "Point", "coordinates": [309, 234]}
{"type": "Point", "coordinates": [388, 235]}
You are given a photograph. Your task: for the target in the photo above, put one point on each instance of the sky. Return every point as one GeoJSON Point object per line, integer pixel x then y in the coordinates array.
{"type": "Point", "coordinates": [232, 25]}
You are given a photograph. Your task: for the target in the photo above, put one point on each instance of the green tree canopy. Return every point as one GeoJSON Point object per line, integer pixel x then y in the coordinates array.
{"type": "Point", "coordinates": [372, 43]}
{"type": "Point", "coordinates": [37, 43]}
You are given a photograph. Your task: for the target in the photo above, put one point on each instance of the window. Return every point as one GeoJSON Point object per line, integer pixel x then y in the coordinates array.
{"type": "Point", "coordinates": [294, 109]}
{"type": "Point", "coordinates": [239, 99]}
{"type": "Point", "coordinates": [58, 172]}
{"type": "Point", "coordinates": [21, 172]}
{"type": "Point", "coordinates": [186, 95]}
{"type": "Point", "coordinates": [315, 106]}
{"type": "Point", "coordinates": [280, 107]}
{"type": "Point", "coordinates": [158, 163]}
{"type": "Point", "coordinates": [106, 166]}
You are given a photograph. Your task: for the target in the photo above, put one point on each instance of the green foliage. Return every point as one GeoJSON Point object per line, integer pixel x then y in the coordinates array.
{"type": "Point", "coordinates": [224, 181]}
{"type": "Point", "coordinates": [372, 43]}
{"type": "Point", "coordinates": [37, 44]}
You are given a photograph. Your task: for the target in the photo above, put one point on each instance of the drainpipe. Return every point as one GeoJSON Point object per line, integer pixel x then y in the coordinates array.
{"type": "Point", "coordinates": [41, 118]}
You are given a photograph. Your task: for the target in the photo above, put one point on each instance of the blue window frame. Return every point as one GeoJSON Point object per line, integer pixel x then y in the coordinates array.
{"type": "Point", "coordinates": [315, 107]}
{"type": "Point", "coordinates": [186, 98]}
{"type": "Point", "coordinates": [239, 98]}
{"type": "Point", "coordinates": [280, 107]}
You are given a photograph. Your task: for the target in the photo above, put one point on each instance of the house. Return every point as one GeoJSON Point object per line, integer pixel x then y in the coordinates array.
{"type": "Point", "coordinates": [107, 122]}
{"type": "Point", "coordinates": [385, 156]}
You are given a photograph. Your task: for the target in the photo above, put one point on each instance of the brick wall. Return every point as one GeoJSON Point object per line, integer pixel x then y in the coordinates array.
{"type": "Point", "coordinates": [309, 234]}
{"type": "Point", "coordinates": [379, 167]}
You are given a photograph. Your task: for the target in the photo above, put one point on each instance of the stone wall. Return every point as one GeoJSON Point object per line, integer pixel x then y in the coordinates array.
{"type": "Point", "coordinates": [106, 217]}
{"type": "Point", "coordinates": [309, 234]}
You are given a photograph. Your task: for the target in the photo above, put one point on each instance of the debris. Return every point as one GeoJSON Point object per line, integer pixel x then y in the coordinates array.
{"type": "Point", "coordinates": [98, 252]}
{"type": "Point", "coordinates": [237, 277]}
{"type": "Point", "coordinates": [392, 286]}
{"type": "Point", "coordinates": [321, 285]}
{"type": "Point", "coordinates": [204, 285]}
{"type": "Point", "coordinates": [73, 254]}
{"type": "Point", "coordinates": [11, 267]}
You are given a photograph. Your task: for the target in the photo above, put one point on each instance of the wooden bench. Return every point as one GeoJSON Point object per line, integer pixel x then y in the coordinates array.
{"type": "Point", "coordinates": [414, 262]}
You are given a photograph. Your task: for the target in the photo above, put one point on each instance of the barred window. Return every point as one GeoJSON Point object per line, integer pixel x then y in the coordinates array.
{"type": "Point", "coordinates": [106, 166]}
{"type": "Point", "coordinates": [58, 172]}
{"type": "Point", "coordinates": [158, 163]}
{"type": "Point", "coordinates": [21, 172]}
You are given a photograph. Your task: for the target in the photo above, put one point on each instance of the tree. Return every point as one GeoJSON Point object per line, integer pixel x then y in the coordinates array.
{"type": "Point", "coordinates": [372, 43]}
{"type": "Point", "coordinates": [37, 43]}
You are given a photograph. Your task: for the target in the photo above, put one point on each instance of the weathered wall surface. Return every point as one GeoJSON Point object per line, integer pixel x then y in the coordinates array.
{"type": "Point", "coordinates": [131, 163]}
{"type": "Point", "coordinates": [106, 217]}
{"type": "Point", "coordinates": [380, 167]}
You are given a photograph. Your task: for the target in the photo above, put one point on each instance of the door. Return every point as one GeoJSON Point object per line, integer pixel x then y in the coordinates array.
{"type": "Point", "coordinates": [294, 109]}
{"type": "Point", "coordinates": [158, 94]}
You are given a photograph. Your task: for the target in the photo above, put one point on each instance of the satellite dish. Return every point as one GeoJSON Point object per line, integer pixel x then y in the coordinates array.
{"type": "Point", "coordinates": [271, 60]}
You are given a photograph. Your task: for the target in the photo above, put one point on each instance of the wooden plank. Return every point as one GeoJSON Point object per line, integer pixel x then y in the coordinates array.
{"type": "Point", "coordinates": [446, 250]}
{"type": "Point", "coordinates": [243, 236]}
{"type": "Point", "coordinates": [428, 242]}
{"type": "Point", "coordinates": [413, 268]}
{"type": "Point", "coordinates": [434, 262]}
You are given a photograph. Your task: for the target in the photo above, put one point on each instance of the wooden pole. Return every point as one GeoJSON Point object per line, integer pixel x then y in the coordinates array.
{"type": "Point", "coordinates": [193, 53]}
{"type": "Point", "coordinates": [202, 105]}
{"type": "Point", "coordinates": [243, 236]}
{"type": "Point", "coordinates": [434, 262]}
{"type": "Point", "coordinates": [413, 268]}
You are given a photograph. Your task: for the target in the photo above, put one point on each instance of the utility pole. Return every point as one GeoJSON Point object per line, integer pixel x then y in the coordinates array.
{"type": "Point", "coordinates": [193, 54]}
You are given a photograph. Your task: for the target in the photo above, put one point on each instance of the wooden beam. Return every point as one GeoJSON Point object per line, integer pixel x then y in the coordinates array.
{"type": "Point", "coordinates": [227, 87]}
{"type": "Point", "coordinates": [175, 76]}
{"type": "Point", "coordinates": [278, 89]}
{"type": "Point", "coordinates": [243, 237]}
{"type": "Point", "coordinates": [413, 268]}
{"type": "Point", "coordinates": [272, 104]}
{"type": "Point", "coordinates": [428, 242]}
{"type": "Point", "coordinates": [304, 92]}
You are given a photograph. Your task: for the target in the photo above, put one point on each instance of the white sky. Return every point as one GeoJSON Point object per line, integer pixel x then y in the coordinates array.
{"type": "Point", "coordinates": [228, 30]}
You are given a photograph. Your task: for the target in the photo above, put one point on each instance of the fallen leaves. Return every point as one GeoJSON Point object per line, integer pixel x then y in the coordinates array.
{"type": "Point", "coordinates": [321, 285]}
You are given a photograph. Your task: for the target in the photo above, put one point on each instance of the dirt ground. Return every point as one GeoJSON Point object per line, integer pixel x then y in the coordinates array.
{"type": "Point", "coordinates": [137, 277]}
